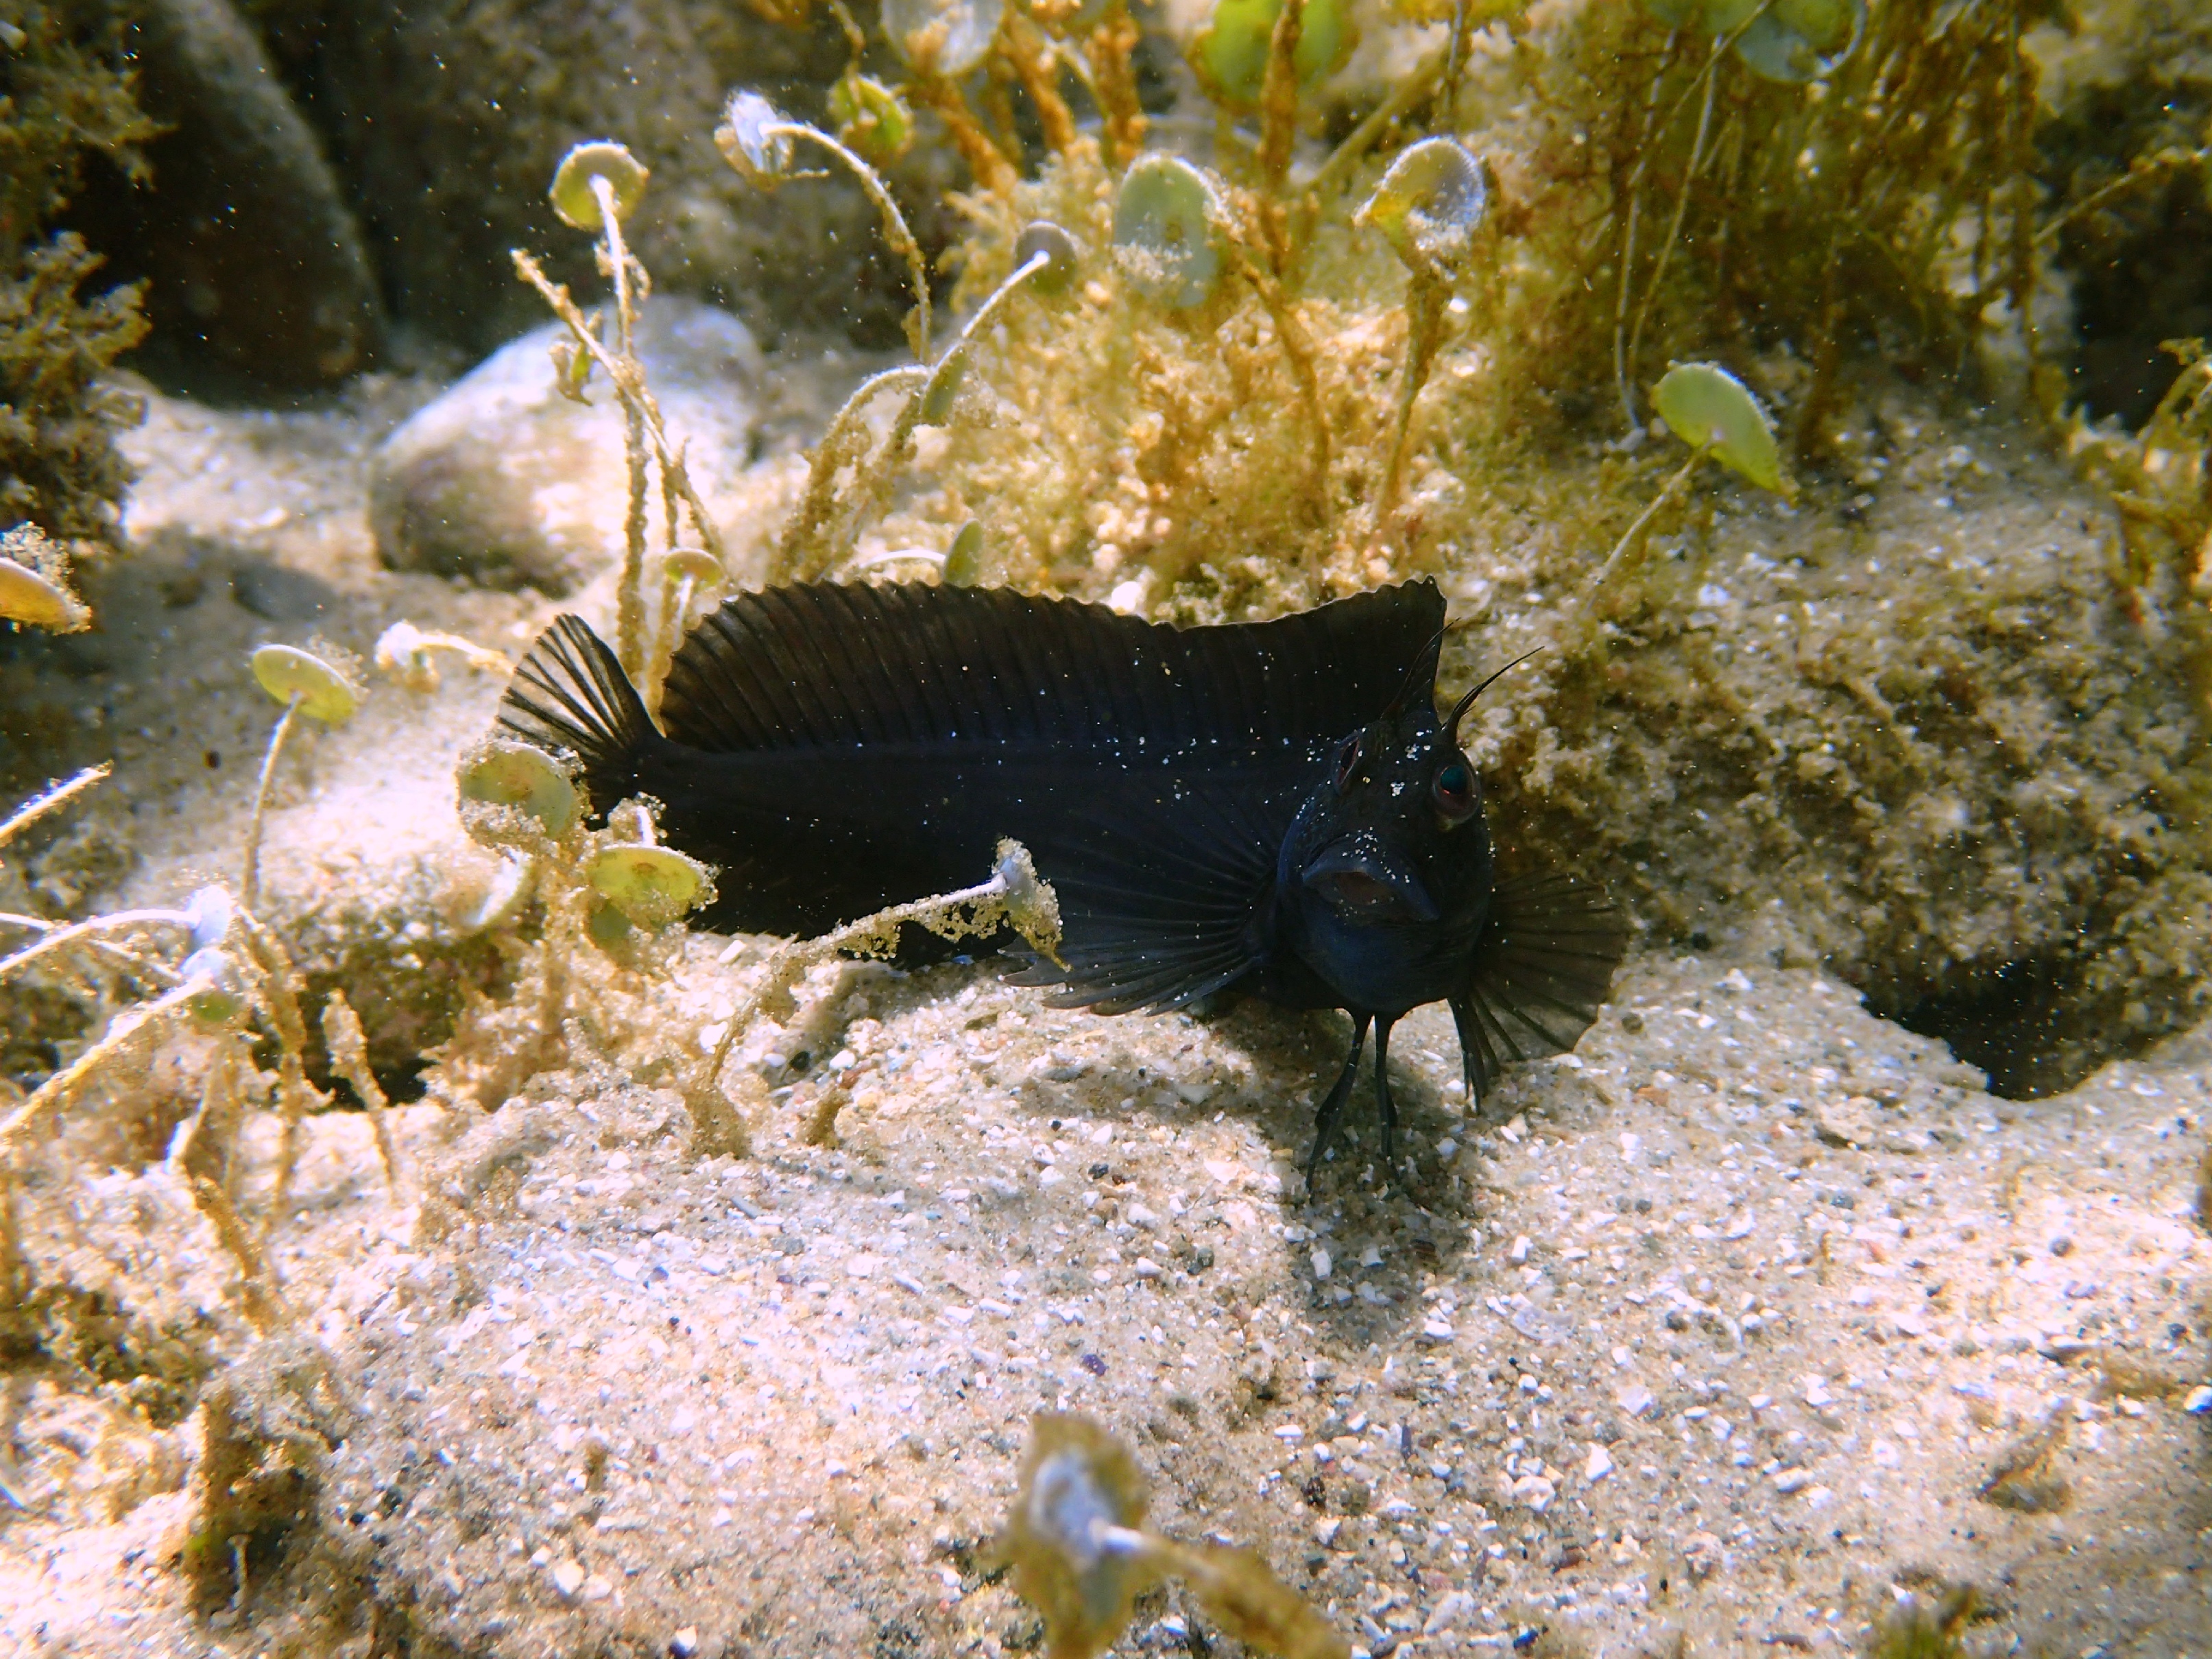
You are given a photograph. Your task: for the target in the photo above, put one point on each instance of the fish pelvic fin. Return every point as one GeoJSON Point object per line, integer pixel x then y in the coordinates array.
{"type": "Point", "coordinates": [1543, 969]}
{"type": "Point", "coordinates": [571, 696]}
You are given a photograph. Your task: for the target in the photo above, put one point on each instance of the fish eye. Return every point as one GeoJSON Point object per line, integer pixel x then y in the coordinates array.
{"type": "Point", "coordinates": [1454, 789]}
{"type": "Point", "coordinates": [1348, 755]}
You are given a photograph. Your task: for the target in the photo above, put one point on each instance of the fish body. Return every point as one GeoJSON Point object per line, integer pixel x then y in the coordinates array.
{"type": "Point", "coordinates": [1274, 807]}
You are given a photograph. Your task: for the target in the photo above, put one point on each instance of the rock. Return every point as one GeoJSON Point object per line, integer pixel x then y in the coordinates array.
{"type": "Point", "coordinates": [1845, 1123]}
{"type": "Point", "coordinates": [504, 482]}
{"type": "Point", "coordinates": [1534, 1491]}
{"type": "Point", "coordinates": [1452, 1611]}
{"type": "Point", "coordinates": [451, 116]}
{"type": "Point", "coordinates": [258, 275]}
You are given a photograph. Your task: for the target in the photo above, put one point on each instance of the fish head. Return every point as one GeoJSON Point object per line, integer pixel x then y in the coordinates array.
{"type": "Point", "coordinates": [1394, 837]}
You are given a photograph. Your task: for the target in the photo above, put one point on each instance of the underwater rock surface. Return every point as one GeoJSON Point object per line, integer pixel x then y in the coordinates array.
{"type": "Point", "coordinates": [452, 115]}
{"type": "Point", "coordinates": [505, 481]}
{"type": "Point", "coordinates": [1913, 730]}
{"type": "Point", "coordinates": [258, 273]}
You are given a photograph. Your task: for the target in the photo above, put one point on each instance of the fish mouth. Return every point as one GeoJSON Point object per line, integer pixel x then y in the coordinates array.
{"type": "Point", "coordinates": [1362, 885]}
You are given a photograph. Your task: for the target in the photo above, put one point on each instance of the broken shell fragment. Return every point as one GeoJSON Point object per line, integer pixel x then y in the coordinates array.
{"type": "Point", "coordinates": [1708, 408]}
{"type": "Point", "coordinates": [323, 691]}
{"type": "Point", "coordinates": [1429, 206]}
{"type": "Point", "coordinates": [503, 774]}
{"type": "Point", "coordinates": [650, 885]}
{"type": "Point", "coordinates": [573, 197]}
{"type": "Point", "coordinates": [1166, 235]}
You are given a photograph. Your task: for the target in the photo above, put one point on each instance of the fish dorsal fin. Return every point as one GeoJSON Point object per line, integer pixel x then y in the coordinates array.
{"type": "Point", "coordinates": [825, 664]}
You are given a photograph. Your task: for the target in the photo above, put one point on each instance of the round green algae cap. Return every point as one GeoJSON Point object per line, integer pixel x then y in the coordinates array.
{"type": "Point", "coordinates": [942, 390]}
{"type": "Point", "coordinates": [1165, 238]}
{"type": "Point", "coordinates": [1430, 204]}
{"type": "Point", "coordinates": [504, 774]}
{"type": "Point", "coordinates": [750, 143]}
{"type": "Point", "coordinates": [1708, 408]}
{"type": "Point", "coordinates": [1063, 258]}
{"type": "Point", "coordinates": [214, 989]}
{"type": "Point", "coordinates": [605, 925]}
{"type": "Point", "coordinates": [964, 560]}
{"type": "Point", "coordinates": [872, 118]}
{"type": "Point", "coordinates": [1231, 52]}
{"type": "Point", "coordinates": [693, 564]}
{"type": "Point", "coordinates": [943, 37]}
{"type": "Point", "coordinates": [573, 197]}
{"type": "Point", "coordinates": [652, 885]}
{"type": "Point", "coordinates": [1796, 41]}
{"type": "Point", "coordinates": [27, 597]}
{"type": "Point", "coordinates": [324, 692]}
{"type": "Point", "coordinates": [1792, 41]}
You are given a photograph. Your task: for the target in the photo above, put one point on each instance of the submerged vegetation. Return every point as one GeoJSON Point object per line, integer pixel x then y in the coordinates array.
{"type": "Point", "coordinates": [65, 93]}
{"type": "Point", "coordinates": [1211, 369]}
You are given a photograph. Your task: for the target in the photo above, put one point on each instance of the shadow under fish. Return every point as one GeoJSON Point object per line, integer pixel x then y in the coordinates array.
{"type": "Point", "coordinates": [1272, 808]}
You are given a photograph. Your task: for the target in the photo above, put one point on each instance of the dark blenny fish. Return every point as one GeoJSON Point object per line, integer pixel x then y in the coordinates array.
{"type": "Point", "coordinates": [1271, 807]}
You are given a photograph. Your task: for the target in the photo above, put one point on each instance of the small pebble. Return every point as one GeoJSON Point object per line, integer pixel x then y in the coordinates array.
{"type": "Point", "coordinates": [2199, 1401]}
{"type": "Point", "coordinates": [567, 1578]}
{"type": "Point", "coordinates": [1519, 1252]}
{"type": "Point", "coordinates": [1600, 1464]}
{"type": "Point", "coordinates": [1448, 1613]}
{"type": "Point", "coordinates": [1323, 1263]}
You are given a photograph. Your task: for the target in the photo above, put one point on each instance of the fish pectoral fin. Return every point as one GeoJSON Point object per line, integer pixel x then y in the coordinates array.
{"type": "Point", "coordinates": [1159, 897]}
{"type": "Point", "coordinates": [1544, 967]}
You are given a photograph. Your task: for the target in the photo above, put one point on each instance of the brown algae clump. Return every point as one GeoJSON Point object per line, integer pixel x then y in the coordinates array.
{"type": "Point", "coordinates": [1081, 1554]}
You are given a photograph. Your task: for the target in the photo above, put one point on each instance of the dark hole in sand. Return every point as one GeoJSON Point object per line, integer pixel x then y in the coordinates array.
{"type": "Point", "coordinates": [2017, 1023]}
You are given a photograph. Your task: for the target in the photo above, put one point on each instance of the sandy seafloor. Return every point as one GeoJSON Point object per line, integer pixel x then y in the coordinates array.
{"type": "Point", "coordinates": [1706, 1339]}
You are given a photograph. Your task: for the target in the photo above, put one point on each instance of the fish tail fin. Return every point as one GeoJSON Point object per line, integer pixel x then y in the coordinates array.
{"type": "Point", "coordinates": [1543, 969]}
{"type": "Point", "coordinates": [570, 695]}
